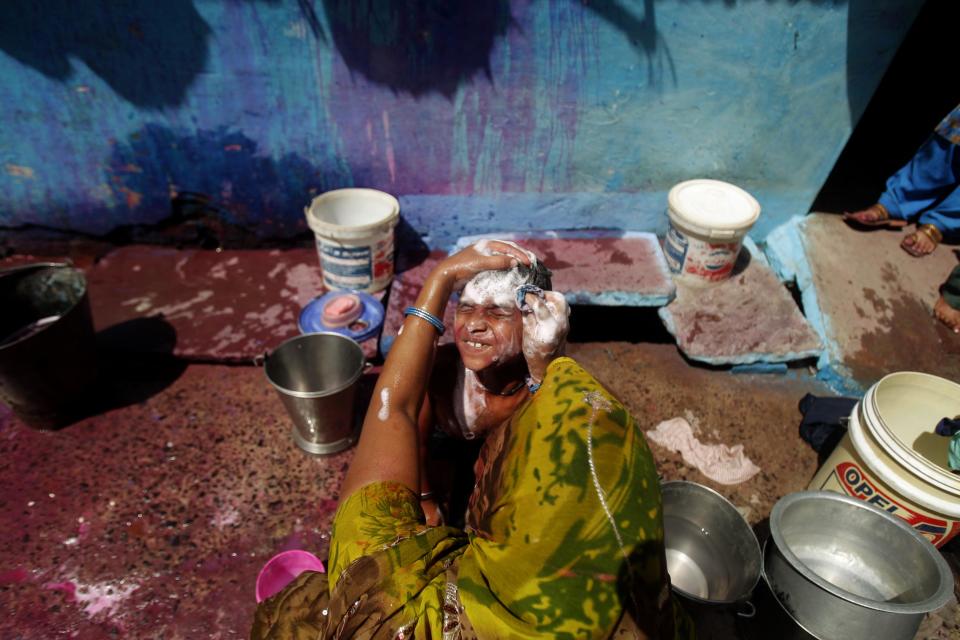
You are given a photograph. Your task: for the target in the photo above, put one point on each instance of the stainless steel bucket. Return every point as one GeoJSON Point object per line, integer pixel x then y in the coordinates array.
{"type": "Point", "coordinates": [315, 375]}
{"type": "Point", "coordinates": [845, 569]}
{"type": "Point", "coordinates": [47, 344]}
{"type": "Point", "coordinates": [712, 555]}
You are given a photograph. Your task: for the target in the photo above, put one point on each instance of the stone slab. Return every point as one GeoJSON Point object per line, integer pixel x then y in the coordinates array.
{"type": "Point", "coordinates": [403, 293]}
{"type": "Point", "coordinates": [871, 301]}
{"type": "Point", "coordinates": [750, 318]}
{"type": "Point", "coordinates": [225, 306]}
{"type": "Point", "coordinates": [592, 268]}
{"type": "Point", "coordinates": [599, 267]}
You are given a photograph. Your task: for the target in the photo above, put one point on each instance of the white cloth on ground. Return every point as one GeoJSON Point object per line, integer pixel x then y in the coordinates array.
{"type": "Point", "coordinates": [719, 462]}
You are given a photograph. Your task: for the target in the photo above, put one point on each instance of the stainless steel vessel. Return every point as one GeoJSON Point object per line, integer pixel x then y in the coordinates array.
{"type": "Point", "coordinates": [315, 375]}
{"type": "Point", "coordinates": [845, 569]}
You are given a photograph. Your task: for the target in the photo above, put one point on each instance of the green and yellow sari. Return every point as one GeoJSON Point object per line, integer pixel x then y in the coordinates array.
{"type": "Point", "coordinates": [564, 539]}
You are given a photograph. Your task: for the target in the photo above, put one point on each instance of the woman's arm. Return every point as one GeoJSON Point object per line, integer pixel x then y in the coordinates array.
{"type": "Point", "coordinates": [389, 443]}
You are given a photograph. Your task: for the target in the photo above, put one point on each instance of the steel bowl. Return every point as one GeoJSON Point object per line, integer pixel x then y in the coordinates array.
{"type": "Point", "coordinates": [846, 569]}
{"type": "Point", "coordinates": [712, 555]}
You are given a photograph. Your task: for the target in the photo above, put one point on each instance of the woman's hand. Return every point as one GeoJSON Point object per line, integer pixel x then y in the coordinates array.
{"type": "Point", "coordinates": [485, 255]}
{"type": "Point", "coordinates": [545, 327]}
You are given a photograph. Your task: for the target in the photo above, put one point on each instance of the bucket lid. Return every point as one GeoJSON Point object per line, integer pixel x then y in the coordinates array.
{"type": "Point", "coordinates": [712, 208]}
{"type": "Point", "coordinates": [351, 212]}
{"type": "Point", "coordinates": [902, 410]}
{"type": "Point", "coordinates": [366, 324]}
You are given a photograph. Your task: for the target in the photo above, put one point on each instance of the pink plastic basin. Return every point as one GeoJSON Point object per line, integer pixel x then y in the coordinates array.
{"type": "Point", "coordinates": [282, 569]}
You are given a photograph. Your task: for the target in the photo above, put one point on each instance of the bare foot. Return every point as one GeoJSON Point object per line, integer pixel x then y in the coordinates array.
{"type": "Point", "coordinates": [918, 244]}
{"type": "Point", "coordinates": [432, 512]}
{"type": "Point", "coordinates": [875, 215]}
{"type": "Point", "coordinates": [947, 314]}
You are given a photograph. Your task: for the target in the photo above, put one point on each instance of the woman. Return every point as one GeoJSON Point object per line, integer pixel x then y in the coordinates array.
{"type": "Point", "coordinates": [564, 534]}
{"type": "Point", "coordinates": [925, 191]}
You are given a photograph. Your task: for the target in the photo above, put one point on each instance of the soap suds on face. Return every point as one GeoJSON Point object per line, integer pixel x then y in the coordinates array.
{"type": "Point", "coordinates": [510, 349]}
{"type": "Point", "coordinates": [384, 412]}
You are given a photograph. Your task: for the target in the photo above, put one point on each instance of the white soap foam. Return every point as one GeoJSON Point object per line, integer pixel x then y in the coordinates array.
{"type": "Point", "coordinates": [545, 328]}
{"type": "Point", "coordinates": [469, 402]}
{"type": "Point", "coordinates": [384, 412]}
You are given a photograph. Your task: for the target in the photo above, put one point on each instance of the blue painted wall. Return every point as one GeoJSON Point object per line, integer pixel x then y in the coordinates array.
{"type": "Point", "coordinates": [481, 116]}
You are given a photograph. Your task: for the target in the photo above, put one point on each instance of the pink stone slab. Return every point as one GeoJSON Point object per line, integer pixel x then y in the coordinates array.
{"type": "Point", "coordinates": [599, 267]}
{"type": "Point", "coordinates": [403, 293]}
{"type": "Point", "coordinates": [226, 306]}
{"type": "Point", "coordinates": [747, 319]}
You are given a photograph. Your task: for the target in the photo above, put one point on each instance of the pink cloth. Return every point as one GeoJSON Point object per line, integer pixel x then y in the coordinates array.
{"type": "Point", "coordinates": [719, 462]}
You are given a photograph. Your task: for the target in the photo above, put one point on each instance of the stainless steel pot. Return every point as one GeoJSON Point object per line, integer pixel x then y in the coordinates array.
{"type": "Point", "coordinates": [845, 569]}
{"type": "Point", "coordinates": [712, 555]}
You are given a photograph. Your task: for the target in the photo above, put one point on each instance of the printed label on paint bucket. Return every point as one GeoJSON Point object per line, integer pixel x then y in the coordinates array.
{"type": "Point", "coordinates": [383, 259]}
{"type": "Point", "coordinates": [715, 261]}
{"type": "Point", "coordinates": [675, 250]}
{"type": "Point", "coordinates": [849, 478]}
{"type": "Point", "coordinates": [345, 267]}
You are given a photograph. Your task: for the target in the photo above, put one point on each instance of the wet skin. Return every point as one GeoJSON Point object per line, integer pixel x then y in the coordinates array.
{"type": "Point", "coordinates": [487, 336]}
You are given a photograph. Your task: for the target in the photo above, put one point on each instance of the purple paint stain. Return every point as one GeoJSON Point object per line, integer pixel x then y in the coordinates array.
{"type": "Point", "coordinates": [14, 576]}
{"type": "Point", "coordinates": [328, 506]}
{"type": "Point", "coordinates": [66, 587]}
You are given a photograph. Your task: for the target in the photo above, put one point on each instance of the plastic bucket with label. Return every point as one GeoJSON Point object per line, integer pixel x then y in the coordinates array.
{"type": "Point", "coordinates": [872, 469]}
{"type": "Point", "coordinates": [708, 220]}
{"type": "Point", "coordinates": [354, 233]}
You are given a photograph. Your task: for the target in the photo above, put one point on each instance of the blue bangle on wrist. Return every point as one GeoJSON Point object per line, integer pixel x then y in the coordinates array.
{"type": "Point", "coordinates": [533, 386]}
{"type": "Point", "coordinates": [426, 315]}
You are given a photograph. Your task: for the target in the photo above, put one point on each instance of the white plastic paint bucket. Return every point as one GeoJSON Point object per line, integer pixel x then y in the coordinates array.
{"type": "Point", "coordinates": [870, 468]}
{"type": "Point", "coordinates": [708, 220]}
{"type": "Point", "coordinates": [900, 409]}
{"type": "Point", "coordinates": [354, 233]}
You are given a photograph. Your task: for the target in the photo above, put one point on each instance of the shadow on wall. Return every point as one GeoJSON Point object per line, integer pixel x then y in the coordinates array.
{"type": "Point", "coordinates": [419, 46]}
{"type": "Point", "coordinates": [861, 56]}
{"type": "Point", "coordinates": [148, 52]}
{"type": "Point", "coordinates": [218, 175]}
{"type": "Point", "coordinates": [643, 35]}
{"type": "Point", "coordinates": [435, 45]}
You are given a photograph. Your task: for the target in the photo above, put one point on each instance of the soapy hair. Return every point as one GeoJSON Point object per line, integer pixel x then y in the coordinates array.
{"type": "Point", "coordinates": [536, 274]}
{"type": "Point", "coordinates": [500, 287]}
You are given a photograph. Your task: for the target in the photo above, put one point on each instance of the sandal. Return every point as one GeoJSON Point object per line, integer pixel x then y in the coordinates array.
{"type": "Point", "coordinates": [931, 232]}
{"type": "Point", "coordinates": [876, 215]}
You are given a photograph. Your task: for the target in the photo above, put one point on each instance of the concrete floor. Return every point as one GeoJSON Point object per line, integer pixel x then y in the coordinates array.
{"type": "Point", "coordinates": [151, 516]}
{"type": "Point", "coordinates": [876, 301]}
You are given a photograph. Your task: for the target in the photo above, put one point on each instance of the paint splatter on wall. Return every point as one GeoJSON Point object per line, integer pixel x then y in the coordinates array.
{"type": "Point", "coordinates": [505, 115]}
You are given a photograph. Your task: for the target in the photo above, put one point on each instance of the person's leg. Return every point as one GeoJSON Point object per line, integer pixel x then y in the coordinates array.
{"type": "Point", "coordinates": [945, 216]}
{"type": "Point", "coordinates": [930, 175]}
{"type": "Point", "coordinates": [940, 222]}
{"type": "Point", "coordinates": [947, 309]}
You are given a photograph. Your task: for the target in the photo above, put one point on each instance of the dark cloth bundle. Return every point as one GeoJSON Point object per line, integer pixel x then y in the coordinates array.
{"type": "Point", "coordinates": [824, 421]}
